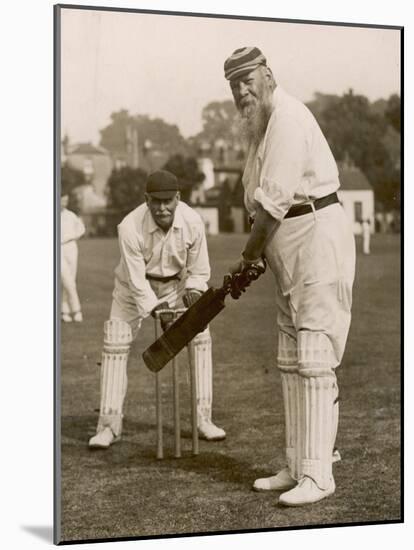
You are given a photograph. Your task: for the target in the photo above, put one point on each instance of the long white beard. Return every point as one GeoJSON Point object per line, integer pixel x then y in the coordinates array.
{"type": "Point", "coordinates": [252, 123]}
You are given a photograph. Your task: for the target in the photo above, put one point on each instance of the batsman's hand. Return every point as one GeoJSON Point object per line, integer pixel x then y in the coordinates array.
{"type": "Point", "coordinates": [250, 271]}
{"type": "Point", "coordinates": [191, 296]}
{"type": "Point", "coordinates": [166, 318]}
{"type": "Point", "coordinates": [241, 265]}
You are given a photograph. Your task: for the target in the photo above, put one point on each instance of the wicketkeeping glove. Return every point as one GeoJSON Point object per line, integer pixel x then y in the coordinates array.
{"type": "Point", "coordinates": [191, 296]}
{"type": "Point", "coordinates": [166, 318]}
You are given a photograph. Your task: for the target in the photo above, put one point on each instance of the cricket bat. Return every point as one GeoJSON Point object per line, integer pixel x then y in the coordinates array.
{"type": "Point", "coordinates": [197, 317]}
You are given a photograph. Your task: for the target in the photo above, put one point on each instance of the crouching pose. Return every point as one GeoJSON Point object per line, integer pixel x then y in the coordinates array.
{"type": "Point", "coordinates": [164, 264]}
{"type": "Point", "coordinates": [290, 182]}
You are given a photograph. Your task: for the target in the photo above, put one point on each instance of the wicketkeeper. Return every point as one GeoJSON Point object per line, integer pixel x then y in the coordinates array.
{"type": "Point", "coordinates": [164, 265]}
{"type": "Point", "coordinates": [290, 182]}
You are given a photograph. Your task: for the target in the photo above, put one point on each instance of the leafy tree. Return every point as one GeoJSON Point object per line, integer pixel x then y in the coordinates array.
{"type": "Point", "coordinates": [353, 127]}
{"type": "Point", "coordinates": [163, 136]}
{"type": "Point", "coordinates": [114, 136]}
{"type": "Point", "coordinates": [117, 136]}
{"type": "Point", "coordinates": [187, 172]}
{"type": "Point", "coordinates": [321, 103]}
{"type": "Point", "coordinates": [126, 188]}
{"type": "Point", "coordinates": [393, 112]}
{"type": "Point", "coordinates": [71, 178]}
{"type": "Point", "coordinates": [218, 120]}
{"type": "Point", "coordinates": [219, 125]}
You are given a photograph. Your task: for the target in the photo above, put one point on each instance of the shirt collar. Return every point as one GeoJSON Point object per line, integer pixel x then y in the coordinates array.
{"type": "Point", "coordinates": [178, 221]}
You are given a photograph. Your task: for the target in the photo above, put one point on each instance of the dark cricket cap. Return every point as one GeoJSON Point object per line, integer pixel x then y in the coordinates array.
{"type": "Point", "coordinates": [243, 61]}
{"type": "Point", "coordinates": [162, 184]}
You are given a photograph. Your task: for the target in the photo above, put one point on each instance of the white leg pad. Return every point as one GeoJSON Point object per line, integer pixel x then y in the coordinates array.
{"type": "Point", "coordinates": [201, 350]}
{"type": "Point", "coordinates": [287, 362]}
{"type": "Point", "coordinates": [319, 392]}
{"type": "Point", "coordinates": [117, 343]}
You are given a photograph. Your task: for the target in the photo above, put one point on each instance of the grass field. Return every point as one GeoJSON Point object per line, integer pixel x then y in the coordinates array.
{"type": "Point", "coordinates": [125, 492]}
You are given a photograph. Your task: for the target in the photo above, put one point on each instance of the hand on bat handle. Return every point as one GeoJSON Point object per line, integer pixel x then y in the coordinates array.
{"type": "Point", "coordinates": [238, 282]}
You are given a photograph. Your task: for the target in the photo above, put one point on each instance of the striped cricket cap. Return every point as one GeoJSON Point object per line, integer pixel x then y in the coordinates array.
{"type": "Point", "coordinates": [243, 61]}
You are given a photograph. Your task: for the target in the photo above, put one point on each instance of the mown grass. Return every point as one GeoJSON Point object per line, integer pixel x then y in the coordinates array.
{"type": "Point", "coordinates": [126, 492]}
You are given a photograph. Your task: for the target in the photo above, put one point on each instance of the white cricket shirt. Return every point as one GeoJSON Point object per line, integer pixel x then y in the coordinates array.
{"type": "Point", "coordinates": [71, 226]}
{"type": "Point", "coordinates": [147, 250]}
{"type": "Point", "coordinates": [293, 163]}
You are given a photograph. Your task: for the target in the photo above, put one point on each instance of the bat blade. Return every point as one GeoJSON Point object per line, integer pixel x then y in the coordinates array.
{"type": "Point", "coordinates": [185, 328]}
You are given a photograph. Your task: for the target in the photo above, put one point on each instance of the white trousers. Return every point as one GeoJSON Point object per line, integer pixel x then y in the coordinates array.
{"type": "Point", "coordinates": [69, 264]}
{"type": "Point", "coordinates": [313, 260]}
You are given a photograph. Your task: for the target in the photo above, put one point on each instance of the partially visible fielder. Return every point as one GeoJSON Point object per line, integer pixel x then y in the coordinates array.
{"type": "Point", "coordinates": [72, 229]}
{"type": "Point", "coordinates": [366, 235]}
{"type": "Point", "coordinates": [164, 264]}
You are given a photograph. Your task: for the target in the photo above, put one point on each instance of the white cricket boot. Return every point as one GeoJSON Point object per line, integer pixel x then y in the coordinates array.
{"type": "Point", "coordinates": [209, 431]}
{"type": "Point", "coordinates": [78, 317]}
{"type": "Point", "coordinates": [66, 318]}
{"type": "Point", "coordinates": [282, 481]}
{"type": "Point", "coordinates": [306, 492]}
{"type": "Point", "coordinates": [201, 355]}
{"type": "Point", "coordinates": [103, 439]}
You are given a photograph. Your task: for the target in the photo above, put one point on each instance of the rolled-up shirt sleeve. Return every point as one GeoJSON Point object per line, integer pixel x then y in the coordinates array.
{"type": "Point", "coordinates": [282, 166]}
{"type": "Point", "coordinates": [198, 265]}
{"type": "Point", "coordinates": [134, 265]}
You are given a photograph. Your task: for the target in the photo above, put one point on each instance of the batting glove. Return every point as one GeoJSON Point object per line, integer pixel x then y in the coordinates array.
{"type": "Point", "coordinates": [191, 296]}
{"type": "Point", "coordinates": [243, 264]}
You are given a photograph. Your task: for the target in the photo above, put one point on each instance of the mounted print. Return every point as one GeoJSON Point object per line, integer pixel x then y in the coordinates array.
{"type": "Point", "coordinates": [228, 285]}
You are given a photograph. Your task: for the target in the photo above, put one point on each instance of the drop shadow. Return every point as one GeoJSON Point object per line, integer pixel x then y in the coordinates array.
{"type": "Point", "coordinates": [43, 532]}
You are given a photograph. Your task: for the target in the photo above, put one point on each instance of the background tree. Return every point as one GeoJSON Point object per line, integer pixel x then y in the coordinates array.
{"type": "Point", "coordinates": [219, 125]}
{"type": "Point", "coordinates": [117, 136]}
{"type": "Point", "coordinates": [187, 172]}
{"type": "Point", "coordinates": [219, 118]}
{"type": "Point", "coordinates": [126, 188]}
{"type": "Point", "coordinates": [361, 130]}
{"type": "Point", "coordinates": [393, 112]}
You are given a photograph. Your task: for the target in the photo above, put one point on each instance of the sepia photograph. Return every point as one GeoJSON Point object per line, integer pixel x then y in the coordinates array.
{"type": "Point", "coordinates": [228, 314]}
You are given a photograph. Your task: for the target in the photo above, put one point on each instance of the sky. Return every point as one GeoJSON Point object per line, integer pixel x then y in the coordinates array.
{"type": "Point", "coordinates": [172, 66]}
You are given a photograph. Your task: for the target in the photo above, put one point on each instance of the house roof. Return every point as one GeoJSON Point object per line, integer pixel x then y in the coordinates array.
{"type": "Point", "coordinates": [353, 179]}
{"type": "Point", "coordinates": [87, 149]}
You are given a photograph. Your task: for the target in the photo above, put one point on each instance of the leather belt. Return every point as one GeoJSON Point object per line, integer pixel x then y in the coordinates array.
{"type": "Point", "coordinates": [301, 209]}
{"type": "Point", "coordinates": [163, 279]}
